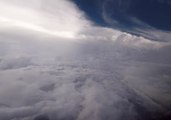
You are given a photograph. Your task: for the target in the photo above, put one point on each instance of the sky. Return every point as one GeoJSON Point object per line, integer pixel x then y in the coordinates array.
{"type": "Point", "coordinates": [85, 60]}
{"type": "Point", "coordinates": [155, 13]}
{"type": "Point", "coordinates": [134, 16]}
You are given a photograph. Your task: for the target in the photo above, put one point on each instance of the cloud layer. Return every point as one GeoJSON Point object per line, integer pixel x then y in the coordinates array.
{"type": "Point", "coordinates": [99, 74]}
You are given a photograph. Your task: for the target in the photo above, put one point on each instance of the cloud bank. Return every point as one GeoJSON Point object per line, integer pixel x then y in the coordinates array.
{"type": "Point", "coordinates": [55, 17]}
{"type": "Point", "coordinates": [97, 74]}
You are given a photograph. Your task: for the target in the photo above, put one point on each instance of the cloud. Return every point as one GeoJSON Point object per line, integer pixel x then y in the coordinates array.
{"type": "Point", "coordinates": [60, 18]}
{"type": "Point", "coordinates": [129, 16]}
{"type": "Point", "coordinates": [61, 79]}
{"type": "Point", "coordinates": [15, 63]}
{"type": "Point", "coordinates": [98, 74]}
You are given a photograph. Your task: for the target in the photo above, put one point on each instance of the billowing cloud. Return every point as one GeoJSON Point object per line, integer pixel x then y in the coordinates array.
{"type": "Point", "coordinates": [97, 74]}
{"type": "Point", "coordinates": [60, 18]}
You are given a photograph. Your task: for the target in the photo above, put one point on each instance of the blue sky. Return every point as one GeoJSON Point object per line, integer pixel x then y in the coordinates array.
{"type": "Point", "coordinates": [129, 15]}
{"type": "Point", "coordinates": [155, 13]}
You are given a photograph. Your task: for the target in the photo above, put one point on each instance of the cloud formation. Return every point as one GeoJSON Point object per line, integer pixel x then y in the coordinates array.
{"type": "Point", "coordinates": [139, 17]}
{"type": "Point", "coordinates": [98, 74]}
{"type": "Point", "coordinates": [60, 18]}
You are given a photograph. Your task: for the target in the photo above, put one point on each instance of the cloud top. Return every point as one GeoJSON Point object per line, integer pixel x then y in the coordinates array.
{"type": "Point", "coordinates": [56, 17]}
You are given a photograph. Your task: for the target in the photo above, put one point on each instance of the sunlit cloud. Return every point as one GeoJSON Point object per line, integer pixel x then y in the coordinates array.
{"type": "Point", "coordinates": [62, 19]}
{"type": "Point", "coordinates": [106, 74]}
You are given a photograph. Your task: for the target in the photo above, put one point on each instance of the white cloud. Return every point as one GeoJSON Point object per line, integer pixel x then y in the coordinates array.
{"type": "Point", "coordinates": [49, 76]}
{"type": "Point", "coordinates": [55, 17]}
{"type": "Point", "coordinates": [74, 80]}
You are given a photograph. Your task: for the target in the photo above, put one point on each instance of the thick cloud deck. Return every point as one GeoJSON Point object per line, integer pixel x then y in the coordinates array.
{"type": "Point", "coordinates": [94, 74]}
{"type": "Point", "coordinates": [89, 79]}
